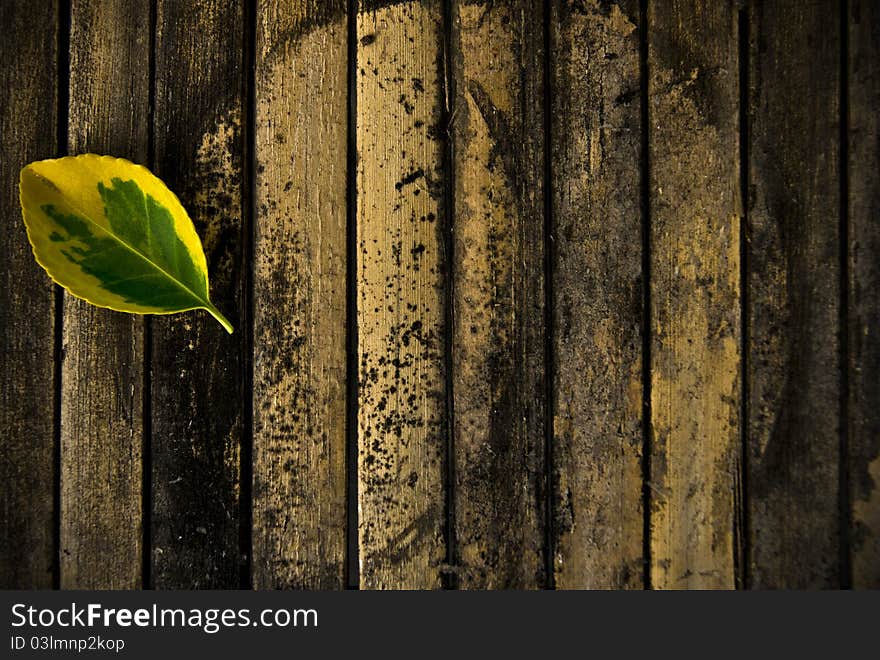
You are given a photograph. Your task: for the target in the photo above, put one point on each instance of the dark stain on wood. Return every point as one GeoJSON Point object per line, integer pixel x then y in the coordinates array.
{"type": "Point", "coordinates": [497, 61]}
{"type": "Point", "coordinates": [198, 393]}
{"type": "Point", "coordinates": [400, 296]}
{"type": "Point", "coordinates": [29, 88]}
{"type": "Point", "coordinates": [863, 253]}
{"type": "Point", "coordinates": [300, 362]}
{"type": "Point", "coordinates": [694, 253]}
{"type": "Point", "coordinates": [794, 296]}
{"type": "Point", "coordinates": [598, 285]}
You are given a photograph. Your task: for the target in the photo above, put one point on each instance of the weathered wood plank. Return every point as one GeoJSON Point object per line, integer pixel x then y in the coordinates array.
{"type": "Point", "coordinates": [864, 290]}
{"type": "Point", "coordinates": [794, 295]}
{"type": "Point", "coordinates": [498, 266]}
{"type": "Point", "coordinates": [598, 312]}
{"type": "Point", "coordinates": [102, 373]}
{"type": "Point", "coordinates": [694, 299]}
{"type": "Point", "coordinates": [198, 396]}
{"type": "Point", "coordinates": [299, 505]}
{"type": "Point", "coordinates": [402, 424]}
{"type": "Point", "coordinates": [29, 89]}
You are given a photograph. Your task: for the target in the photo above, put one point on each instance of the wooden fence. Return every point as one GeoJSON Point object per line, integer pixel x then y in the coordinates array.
{"type": "Point", "coordinates": [527, 294]}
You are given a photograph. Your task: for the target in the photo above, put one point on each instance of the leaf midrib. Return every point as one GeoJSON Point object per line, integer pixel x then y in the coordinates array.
{"type": "Point", "coordinates": [204, 301]}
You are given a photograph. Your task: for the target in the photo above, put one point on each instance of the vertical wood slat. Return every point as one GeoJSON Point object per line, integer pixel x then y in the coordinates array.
{"type": "Point", "coordinates": [402, 423]}
{"type": "Point", "coordinates": [794, 295]}
{"type": "Point", "coordinates": [198, 395]}
{"type": "Point", "coordinates": [694, 298]}
{"type": "Point", "coordinates": [29, 92]}
{"type": "Point", "coordinates": [598, 284]}
{"type": "Point", "coordinates": [299, 536]}
{"type": "Point", "coordinates": [864, 290]}
{"type": "Point", "coordinates": [498, 300]}
{"type": "Point", "coordinates": [102, 372]}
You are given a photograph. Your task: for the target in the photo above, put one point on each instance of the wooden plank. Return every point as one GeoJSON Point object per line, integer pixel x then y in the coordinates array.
{"type": "Point", "coordinates": [864, 290]}
{"type": "Point", "coordinates": [794, 295]}
{"type": "Point", "coordinates": [498, 265]}
{"type": "Point", "coordinates": [198, 379]}
{"type": "Point", "coordinates": [29, 89]}
{"type": "Point", "coordinates": [102, 373]}
{"type": "Point", "coordinates": [299, 503]}
{"type": "Point", "coordinates": [400, 295]}
{"type": "Point", "coordinates": [598, 284]}
{"type": "Point", "coordinates": [694, 299]}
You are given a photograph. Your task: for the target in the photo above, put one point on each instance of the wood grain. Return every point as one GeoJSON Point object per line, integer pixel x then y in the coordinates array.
{"type": "Point", "coordinates": [794, 295]}
{"type": "Point", "coordinates": [29, 92]}
{"type": "Point", "coordinates": [402, 424]}
{"type": "Point", "coordinates": [498, 266]}
{"type": "Point", "coordinates": [598, 284]}
{"type": "Point", "coordinates": [864, 290]}
{"type": "Point", "coordinates": [694, 298]}
{"type": "Point", "coordinates": [102, 374]}
{"type": "Point", "coordinates": [300, 296]}
{"type": "Point", "coordinates": [198, 370]}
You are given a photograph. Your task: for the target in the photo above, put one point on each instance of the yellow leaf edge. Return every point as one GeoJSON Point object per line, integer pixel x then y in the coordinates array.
{"type": "Point", "coordinates": [209, 307]}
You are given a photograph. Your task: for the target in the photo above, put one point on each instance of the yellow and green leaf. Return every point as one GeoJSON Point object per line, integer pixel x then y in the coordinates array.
{"type": "Point", "coordinates": [111, 233]}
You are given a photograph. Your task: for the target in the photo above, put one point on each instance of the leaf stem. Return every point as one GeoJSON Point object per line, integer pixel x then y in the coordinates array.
{"type": "Point", "coordinates": [213, 311]}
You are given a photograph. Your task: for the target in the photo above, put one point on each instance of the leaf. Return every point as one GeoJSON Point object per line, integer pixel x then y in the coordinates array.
{"type": "Point", "coordinates": [111, 233]}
